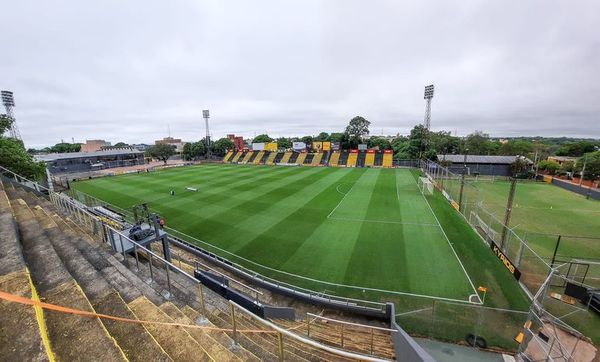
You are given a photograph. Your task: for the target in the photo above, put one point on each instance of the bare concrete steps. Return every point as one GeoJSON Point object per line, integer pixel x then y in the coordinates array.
{"type": "Point", "coordinates": [20, 335]}
{"type": "Point", "coordinates": [71, 337]}
{"type": "Point", "coordinates": [130, 337]}
{"type": "Point", "coordinates": [222, 320]}
{"type": "Point", "coordinates": [220, 337]}
{"type": "Point", "coordinates": [129, 285]}
{"type": "Point", "coordinates": [176, 341]}
{"type": "Point", "coordinates": [214, 349]}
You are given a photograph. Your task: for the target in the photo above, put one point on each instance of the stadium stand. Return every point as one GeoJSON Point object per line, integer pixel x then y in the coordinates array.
{"type": "Point", "coordinates": [271, 158]}
{"type": "Point", "coordinates": [352, 157]}
{"type": "Point", "coordinates": [237, 156]}
{"type": "Point", "coordinates": [257, 160]}
{"type": "Point", "coordinates": [370, 158]}
{"type": "Point", "coordinates": [388, 158]}
{"type": "Point", "coordinates": [301, 158]}
{"type": "Point", "coordinates": [227, 156]}
{"type": "Point", "coordinates": [286, 157]}
{"type": "Point", "coordinates": [253, 156]}
{"type": "Point", "coordinates": [335, 158]}
{"type": "Point", "coordinates": [360, 158]}
{"type": "Point", "coordinates": [71, 266]}
{"type": "Point", "coordinates": [316, 161]}
{"type": "Point", "coordinates": [247, 157]}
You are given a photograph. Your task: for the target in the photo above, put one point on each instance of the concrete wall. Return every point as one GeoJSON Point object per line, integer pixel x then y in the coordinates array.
{"type": "Point", "coordinates": [406, 348]}
{"type": "Point", "coordinates": [593, 193]}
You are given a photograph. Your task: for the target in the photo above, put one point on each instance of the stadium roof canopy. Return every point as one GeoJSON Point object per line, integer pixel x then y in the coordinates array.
{"type": "Point", "coordinates": [498, 160]}
{"type": "Point", "coordinates": [63, 156]}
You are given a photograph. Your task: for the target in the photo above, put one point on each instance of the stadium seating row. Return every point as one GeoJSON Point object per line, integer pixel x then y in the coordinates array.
{"type": "Point", "coordinates": [352, 158]}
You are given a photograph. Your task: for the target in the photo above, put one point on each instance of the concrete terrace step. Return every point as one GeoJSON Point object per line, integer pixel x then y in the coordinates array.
{"type": "Point", "coordinates": [216, 350]}
{"type": "Point", "coordinates": [20, 336]}
{"type": "Point", "coordinates": [72, 337]}
{"type": "Point", "coordinates": [102, 296]}
{"type": "Point", "coordinates": [175, 340]}
{"type": "Point", "coordinates": [220, 337]}
{"type": "Point", "coordinates": [222, 320]}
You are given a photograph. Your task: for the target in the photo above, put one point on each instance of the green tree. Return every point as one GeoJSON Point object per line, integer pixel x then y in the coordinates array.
{"type": "Point", "coordinates": [262, 138]}
{"type": "Point", "coordinates": [478, 143]}
{"type": "Point", "coordinates": [380, 143]}
{"type": "Point", "coordinates": [516, 147]}
{"type": "Point", "coordinates": [418, 142]}
{"type": "Point", "coordinates": [337, 137]}
{"type": "Point", "coordinates": [549, 166]}
{"type": "Point", "coordinates": [307, 139]}
{"type": "Point", "coordinates": [121, 144]}
{"type": "Point", "coordinates": [162, 151]}
{"type": "Point", "coordinates": [443, 142]}
{"type": "Point", "coordinates": [193, 150]}
{"type": "Point", "coordinates": [63, 147]}
{"type": "Point", "coordinates": [221, 146]}
{"type": "Point", "coordinates": [401, 146]}
{"type": "Point", "coordinates": [14, 157]}
{"type": "Point", "coordinates": [358, 127]}
{"type": "Point", "coordinates": [592, 165]}
{"type": "Point", "coordinates": [577, 149]}
{"type": "Point", "coordinates": [323, 136]}
{"type": "Point", "coordinates": [283, 142]}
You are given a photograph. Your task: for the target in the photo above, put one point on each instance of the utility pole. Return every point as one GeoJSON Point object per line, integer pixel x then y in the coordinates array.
{"type": "Point", "coordinates": [583, 169]}
{"type": "Point", "coordinates": [509, 207]}
{"type": "Point", "coordinates": [462, 182]}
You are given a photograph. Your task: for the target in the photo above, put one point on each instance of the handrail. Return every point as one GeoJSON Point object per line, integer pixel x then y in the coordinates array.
{"type": "Point", "coordinates": [16, 175]}
{"type": "Point", "coordinates": [351, 323]}
{"type": "Point", "coordinates": [307, 340]}
{"type": "Point", "coordinates": [229, 278]}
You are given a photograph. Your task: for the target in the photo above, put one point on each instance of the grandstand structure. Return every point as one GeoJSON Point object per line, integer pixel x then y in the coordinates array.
{"type": "Point", "coordinates": [73, 284]}
{"type": "Point", "coordinates": [343, 158]}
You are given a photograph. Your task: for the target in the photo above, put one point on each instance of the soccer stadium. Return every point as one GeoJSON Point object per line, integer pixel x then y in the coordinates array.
{"type": "Point", "coordinates": [256, 181]}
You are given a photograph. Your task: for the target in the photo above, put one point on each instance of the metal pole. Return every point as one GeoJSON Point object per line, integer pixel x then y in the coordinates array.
{"type": "Point", "coordinates": [280, 343]}
{"type": "Point", "coordinates": [555, 250]}
{"type": "Point", "coordinates": [307, 325]}
{"type": "Point", "coordinates": [509, 207]}
{"type": "Point", "coordinates": [372, 339]}
{"type": "Point", "coordinates": [150, 264]}
{"type": "Point", "coordinates": [168, 277]}
{"type": "Point", "coordinates": [137, 259]}
{"type": "Point", "coordinates": [583, 169]}
{"type": "Point", "coordinates": [202, 303]}
{"type": "Point", "coordinates": [233, 324]}
{"type": "Point", "coordinates": [342, 336]}
{"type": "Point", "coordinates": [462, 182]}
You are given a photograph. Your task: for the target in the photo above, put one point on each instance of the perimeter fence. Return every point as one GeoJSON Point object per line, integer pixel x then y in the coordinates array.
{"type": "Point", "coordinates": [520, 253]}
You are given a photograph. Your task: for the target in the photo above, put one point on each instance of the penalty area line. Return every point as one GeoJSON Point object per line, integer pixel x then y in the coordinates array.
{"type": "Point", "coordinates": [342, 200]}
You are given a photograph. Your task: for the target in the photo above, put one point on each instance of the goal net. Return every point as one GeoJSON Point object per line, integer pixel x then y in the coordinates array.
{"type": "Point", "coordinates": [425, 186]}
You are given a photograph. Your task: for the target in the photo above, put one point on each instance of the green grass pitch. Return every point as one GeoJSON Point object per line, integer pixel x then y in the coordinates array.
{"type": "Point", "coordinates": [541, 211]}
{"type": "Point", "coordinates": [356, 230]}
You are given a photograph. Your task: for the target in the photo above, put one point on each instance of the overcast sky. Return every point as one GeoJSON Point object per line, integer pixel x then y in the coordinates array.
{"type": "Point", "coordinates": [126, 70]}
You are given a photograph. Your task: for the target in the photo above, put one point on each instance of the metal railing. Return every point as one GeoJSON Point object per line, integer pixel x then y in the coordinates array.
{"type": "Point", "coordinates": [23, 180]}
{"type": "Point", "coordinates": [281, 332]}
{"type": "Point", "coordinates": [370, 329]}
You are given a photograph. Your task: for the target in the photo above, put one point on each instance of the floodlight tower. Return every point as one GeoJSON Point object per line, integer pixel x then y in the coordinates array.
{"type": "Point", "coordinates": [9, 103]}
{"type": "Point", "coordinates": [206, 116]}
{"type": "Point", "coordinates": [428, 96]}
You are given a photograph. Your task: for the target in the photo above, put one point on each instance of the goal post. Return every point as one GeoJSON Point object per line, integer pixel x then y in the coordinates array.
{"type": "Point", "coordinates": [425, 186]}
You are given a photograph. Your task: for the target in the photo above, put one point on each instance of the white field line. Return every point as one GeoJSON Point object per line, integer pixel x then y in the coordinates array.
{"type": "Point", "coordinates": [450, 244]}
{"type": "Point", "coordinates": [413, 311]}
{"type": "Point", "coordinates": [326, 282]}
{"type": "Point", "coordinates": [382, 221]}
{"type": "Point", "coordinates": [342, 200]}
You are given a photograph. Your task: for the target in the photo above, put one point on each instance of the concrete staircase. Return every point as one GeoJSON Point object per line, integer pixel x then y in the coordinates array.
{"type": "Point", "coordinates": [70, 269]}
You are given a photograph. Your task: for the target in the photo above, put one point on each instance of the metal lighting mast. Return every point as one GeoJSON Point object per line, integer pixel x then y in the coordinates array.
{"type": "Point", "coordinates": [428, 96]}
{"type": "Point", "coordinates": [206, 116]}
{"type": "Point", "coordinates": [9, 103]}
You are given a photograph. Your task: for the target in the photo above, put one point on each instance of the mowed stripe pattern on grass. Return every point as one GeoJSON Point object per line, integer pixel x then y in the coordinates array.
{"type": "Point", "coordinates": [363, 227]}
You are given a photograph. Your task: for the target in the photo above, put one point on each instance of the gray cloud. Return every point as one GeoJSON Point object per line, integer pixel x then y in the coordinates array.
{"type": "Point", "coordinates": [125, 70]}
